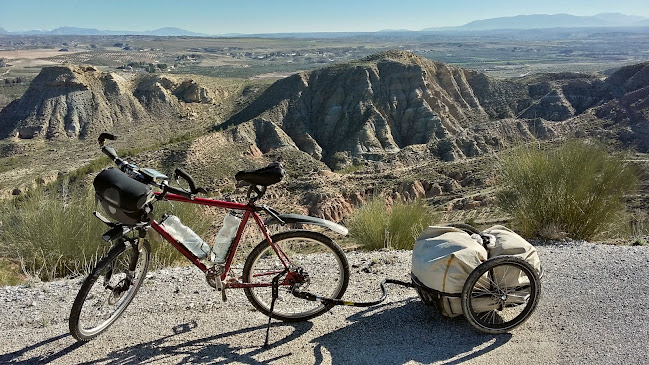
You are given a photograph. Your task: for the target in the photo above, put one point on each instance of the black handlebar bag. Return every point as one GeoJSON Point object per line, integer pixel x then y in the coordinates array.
{"type": "Point", "coordinates": [122, 198]}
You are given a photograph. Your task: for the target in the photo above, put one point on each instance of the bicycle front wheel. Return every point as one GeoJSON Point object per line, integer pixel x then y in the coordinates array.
{"type": "Point", "coordinates": [317, 260]}
{"type": "Point", "coordinates": [108, 290]}
{"type": "Point", "coordinates": [500, 294]}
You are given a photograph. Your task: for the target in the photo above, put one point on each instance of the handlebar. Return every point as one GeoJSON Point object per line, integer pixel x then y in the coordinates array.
{"type": "Point", "coordinates": [192, 185]}
{"type": "Point", "coordinates": [134, 172]}
{"type": "Point", "coordinates": [112, 154]}
{"type": "Point", "coordinates": [166, 188]}
{"type": "Point", "coordinates": [254, 191]}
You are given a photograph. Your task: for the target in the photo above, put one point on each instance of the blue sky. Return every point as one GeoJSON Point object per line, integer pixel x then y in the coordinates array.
{"type": "Point", "coordinates": [274, 16]}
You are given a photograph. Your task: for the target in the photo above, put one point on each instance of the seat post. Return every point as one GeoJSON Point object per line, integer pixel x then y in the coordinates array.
{"type": "Point", "coordinates": [258, 190]}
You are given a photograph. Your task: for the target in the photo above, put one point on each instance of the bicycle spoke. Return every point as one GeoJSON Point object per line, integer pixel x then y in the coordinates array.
{"type": "Point", "coordinates": [508, 301]}
{"type": "Point", "coordinates": [317, 268]}
{"type": "Point", "coordinates": [107, 292]}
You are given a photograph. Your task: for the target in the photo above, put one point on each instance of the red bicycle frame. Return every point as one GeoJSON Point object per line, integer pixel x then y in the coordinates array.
{"type": "Point", "coordinates": [249, 210]}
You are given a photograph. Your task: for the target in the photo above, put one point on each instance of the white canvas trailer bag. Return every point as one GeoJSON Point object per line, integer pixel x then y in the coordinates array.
{"type": "Point", "coordinates": [444, 257]}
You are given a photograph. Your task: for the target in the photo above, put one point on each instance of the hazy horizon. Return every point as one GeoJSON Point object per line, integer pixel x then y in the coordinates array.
{"type": "Point", "coordinates": [291, 16]}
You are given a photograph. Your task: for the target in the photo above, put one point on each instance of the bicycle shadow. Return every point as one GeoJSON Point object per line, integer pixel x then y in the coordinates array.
{"type": "Point", "coordinates": [11, 358]}
{"type": "Point", "coordinates": [211, 349]}
{"type": "Point", "coordinates": [382, 334]}
{"type": "Point", "coordinates": [410, 332]}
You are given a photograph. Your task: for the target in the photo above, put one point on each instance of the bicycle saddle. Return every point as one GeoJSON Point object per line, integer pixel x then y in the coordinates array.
{"type": "Point", "coordinates": [269, 175]}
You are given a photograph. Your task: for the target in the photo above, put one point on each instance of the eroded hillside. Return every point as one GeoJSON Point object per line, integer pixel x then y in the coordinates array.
{"type": "Point", "coordinates": [52, 129]}
{"type": "Point", "coordinates": [81, 101]}
{"type": "Point", "coordinates": [375, 107]}
{"type": "Point", "coordinates": [392, 124]}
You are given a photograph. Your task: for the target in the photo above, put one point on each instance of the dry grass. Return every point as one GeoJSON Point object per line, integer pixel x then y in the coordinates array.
{"type": "Point", "coordinates": [52, 233]}
{"type": "Point", "coordinates": [577, 190]}
{"type": "Point", "coordinates": [374, 225]}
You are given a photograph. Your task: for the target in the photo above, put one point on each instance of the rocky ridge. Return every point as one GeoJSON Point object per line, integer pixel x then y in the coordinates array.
{"type": "Point", "coordinates": [393, 118]}
{"type": "Point", "coordinates": [381, 104]}
{"type": "Point", "coordinates": [80, 101]}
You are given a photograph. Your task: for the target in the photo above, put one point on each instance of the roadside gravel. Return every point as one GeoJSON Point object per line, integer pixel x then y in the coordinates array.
{"type": "Point", "coordinates": [593, 310]}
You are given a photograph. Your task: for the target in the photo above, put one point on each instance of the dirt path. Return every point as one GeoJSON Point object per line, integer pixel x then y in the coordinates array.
{"type": "Point", "coordinates": [593, 310]}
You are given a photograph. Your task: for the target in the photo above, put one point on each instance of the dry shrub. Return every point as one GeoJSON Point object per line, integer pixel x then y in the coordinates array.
{"type": "Point", "coordinates": [375, 226]}
{"type": "Point", "coordinates": [576, 190]}
{"type": "Point", "coordinates": [53, 233]}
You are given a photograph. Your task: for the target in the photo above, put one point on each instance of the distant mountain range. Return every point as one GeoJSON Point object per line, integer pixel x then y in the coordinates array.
{"type": "Point", "coordinates": [167, 31]}
{"type": "Point", "coordinates": [534, 21]}
{"type": "Point", "coordinates": [539, 21]}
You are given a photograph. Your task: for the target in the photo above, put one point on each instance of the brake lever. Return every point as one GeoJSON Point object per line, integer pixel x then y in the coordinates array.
{"type": "Point", "coordinates": [188, 178]}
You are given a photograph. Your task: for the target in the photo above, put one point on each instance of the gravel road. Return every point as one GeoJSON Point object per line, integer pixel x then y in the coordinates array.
{"type": "Point", "coordinates": [593, 310]}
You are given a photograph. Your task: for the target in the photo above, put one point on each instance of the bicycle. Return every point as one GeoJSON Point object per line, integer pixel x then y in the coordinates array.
{"type": "Point", "coordinates": [281, 264]}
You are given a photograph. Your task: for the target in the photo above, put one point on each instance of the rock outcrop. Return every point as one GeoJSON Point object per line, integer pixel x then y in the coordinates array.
{"type": "Point", "coordinates": [79, 101]}
{"type": "Point", "coordinates": [386, 102]}
{"type": "Point", "coordinates": [626, 115]}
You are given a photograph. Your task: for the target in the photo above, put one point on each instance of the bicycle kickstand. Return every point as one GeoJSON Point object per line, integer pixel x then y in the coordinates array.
{"type": "Point", "coordinates": [275, 290]}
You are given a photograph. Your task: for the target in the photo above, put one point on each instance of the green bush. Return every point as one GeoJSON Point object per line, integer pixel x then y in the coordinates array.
{"type": "Point", "coordinates": [374, 226]}
{"type": "Point", "coordinates": [576, 190]}
{"type": "Point", "coordinates": [52, 233]}
{"type": "Point", "coordinates": [52, 236]}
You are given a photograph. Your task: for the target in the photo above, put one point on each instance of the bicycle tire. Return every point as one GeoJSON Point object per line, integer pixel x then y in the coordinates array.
{"type": "Point", "coordinates": [500, 294]}
{"type": "Point", "coordinates": [112, 267]}
{"type": "Point", "coordinates": [322, 259]}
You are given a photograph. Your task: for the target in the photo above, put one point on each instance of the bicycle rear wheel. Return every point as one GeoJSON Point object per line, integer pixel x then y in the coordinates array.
{"type": "Point", "coordinates": [108, 290]}
{"type": "Point", "coordinates": [318, 261]}
{"type": "Point", "coordinates": [500, 294]}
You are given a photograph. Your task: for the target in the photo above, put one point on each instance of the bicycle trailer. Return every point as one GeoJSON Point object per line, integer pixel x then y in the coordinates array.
{"type": "Point", "coordinates": [492, 277]}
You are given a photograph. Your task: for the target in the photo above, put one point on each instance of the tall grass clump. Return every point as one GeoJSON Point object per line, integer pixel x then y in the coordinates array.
{"type": "Point", "coordinates": [10, 273]}
{"type": "Point", "coordinates": [375, 226]}
{"type": "Point", "coordinates": [51, 232]}
{"type": "Point", "coordinates": [576, 190]}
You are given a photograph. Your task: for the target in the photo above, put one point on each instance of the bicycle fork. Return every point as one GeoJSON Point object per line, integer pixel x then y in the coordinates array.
{"type": "Point", "coordinates": [126, 283]}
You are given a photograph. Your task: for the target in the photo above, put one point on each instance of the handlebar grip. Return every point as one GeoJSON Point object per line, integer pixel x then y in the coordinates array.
{"type": "Point", "coordinates": [177, 191]}
{"type": "Point", "coordinates": [110, 152]}
{"type": "Point", "coordinates": [182, 173]}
